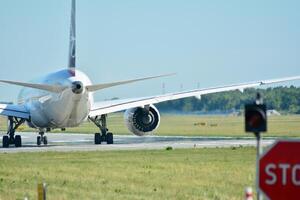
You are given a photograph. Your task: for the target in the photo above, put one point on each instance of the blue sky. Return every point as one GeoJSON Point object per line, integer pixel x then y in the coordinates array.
{"type": "Point", "coordinates": [210, 43]}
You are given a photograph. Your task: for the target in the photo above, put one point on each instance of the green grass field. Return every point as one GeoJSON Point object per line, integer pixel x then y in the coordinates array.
{"type": "Point", "coordinates": [160, 174]}
{"type": "Point", "coordinates": [190, 125]}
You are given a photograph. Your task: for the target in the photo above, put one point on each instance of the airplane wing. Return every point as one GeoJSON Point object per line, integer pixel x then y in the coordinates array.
{"type": "Point", "coordinates": [107, 107]}
{"type": "Point", "coordinates": [14, 111]}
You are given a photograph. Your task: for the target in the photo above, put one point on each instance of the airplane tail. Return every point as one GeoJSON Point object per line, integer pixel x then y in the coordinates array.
{"type": "Point", "coordinates": [72, 44]}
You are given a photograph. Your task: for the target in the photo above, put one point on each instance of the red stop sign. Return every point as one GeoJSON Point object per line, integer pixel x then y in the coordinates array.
{"type": "Point", "coordinates": [279, 171]}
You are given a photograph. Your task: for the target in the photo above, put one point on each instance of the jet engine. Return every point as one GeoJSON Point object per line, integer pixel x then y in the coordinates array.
{"type": "Point", "coordinates": [142, 121]}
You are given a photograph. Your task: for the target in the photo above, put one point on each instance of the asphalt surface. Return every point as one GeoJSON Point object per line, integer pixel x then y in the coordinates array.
{"type": "Point", "coordinates": [66, 142]}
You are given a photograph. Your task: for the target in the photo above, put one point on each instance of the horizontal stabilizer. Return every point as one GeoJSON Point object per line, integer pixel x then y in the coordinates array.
{"type": "Point", "coordinates": [92, 88]}
{"type": "Point", "coordinates": [49, 88]}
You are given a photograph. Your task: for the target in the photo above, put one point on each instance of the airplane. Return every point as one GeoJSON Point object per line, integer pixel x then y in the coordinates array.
{"type": "Point", "coordinates": [64, 99]}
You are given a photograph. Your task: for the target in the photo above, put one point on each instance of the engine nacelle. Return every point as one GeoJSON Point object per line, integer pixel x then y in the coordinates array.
{"type": "Point", "coordinates": [141, 121]}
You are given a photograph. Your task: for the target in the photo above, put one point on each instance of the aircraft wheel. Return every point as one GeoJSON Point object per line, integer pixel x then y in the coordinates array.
{"type": "Point", "coordinates": [45, 140]}
{"type": "Point", "coordinates": [97, 138]}
{"type": "Point", "coordinates": [38, 140]}
{"type": "Point", "coordinates": [5, 141]}
{"type": "Point", "coordinates": [109, 138]}
{"type": "Point", "coordinates": [18, 141]}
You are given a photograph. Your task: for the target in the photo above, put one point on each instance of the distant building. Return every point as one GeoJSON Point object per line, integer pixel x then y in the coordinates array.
{"type": "Point", "coordinates": [273, 113]}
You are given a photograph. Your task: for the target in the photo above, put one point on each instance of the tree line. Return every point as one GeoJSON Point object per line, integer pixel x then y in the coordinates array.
{"type": "Point", "coordinates": [285, 99]}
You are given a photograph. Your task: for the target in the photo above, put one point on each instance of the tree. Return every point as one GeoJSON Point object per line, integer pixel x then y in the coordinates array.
{"type": "Point", "coordinates": [279, 98]}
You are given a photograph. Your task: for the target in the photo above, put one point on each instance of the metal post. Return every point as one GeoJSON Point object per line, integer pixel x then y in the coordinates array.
{"type": "Point", "coordinates": [258, 153]}
{"type": "Point", "coordinates": [41, 189]}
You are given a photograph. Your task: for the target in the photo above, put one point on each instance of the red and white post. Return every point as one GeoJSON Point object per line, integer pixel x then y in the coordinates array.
{"type": "Point", "coordinates": [248, 193]}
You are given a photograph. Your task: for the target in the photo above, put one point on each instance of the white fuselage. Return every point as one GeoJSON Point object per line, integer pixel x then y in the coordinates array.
{"type": "Point", "coordinates": [58, 110]}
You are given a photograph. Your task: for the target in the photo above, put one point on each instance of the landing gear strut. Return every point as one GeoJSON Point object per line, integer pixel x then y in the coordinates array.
{"type": "Point", "coordinates": [104, 136]}
{"type": "Point", "coordinates": [11, 138]}
{"type": "Point", "coordinates": [41, 139]}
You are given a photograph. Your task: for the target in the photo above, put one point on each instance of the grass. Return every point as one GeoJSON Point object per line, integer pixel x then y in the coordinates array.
{"type": "Point", "coordinates": [156, 174]}
{"type": "Point", "coordinates": [190, 125]}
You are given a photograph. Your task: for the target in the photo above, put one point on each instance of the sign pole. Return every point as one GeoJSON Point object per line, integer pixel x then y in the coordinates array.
{"type": "Point", "coordinates": [256, 122]}
{"type": "Point", "coordinates": [41, 189]}
{"type": "Point", "coordinates": [258, 153]}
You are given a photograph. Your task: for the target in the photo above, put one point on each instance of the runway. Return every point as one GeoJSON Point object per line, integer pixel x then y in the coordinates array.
{"type": "Point", "coordinates": [66, 142]}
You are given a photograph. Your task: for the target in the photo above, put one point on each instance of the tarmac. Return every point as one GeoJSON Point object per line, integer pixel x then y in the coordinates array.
{"type": "Point", "coordinates": [68, 142]}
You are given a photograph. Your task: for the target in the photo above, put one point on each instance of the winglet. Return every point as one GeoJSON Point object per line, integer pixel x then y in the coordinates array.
{"type": "Point", "coordinates": [279, 80]}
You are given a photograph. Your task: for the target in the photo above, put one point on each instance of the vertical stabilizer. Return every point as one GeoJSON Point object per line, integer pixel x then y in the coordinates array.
{"type": "Point", "coordinates": [72, 45]}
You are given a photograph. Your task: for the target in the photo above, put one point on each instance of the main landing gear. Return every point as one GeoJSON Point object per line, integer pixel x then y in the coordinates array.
{"type": "Point", "coordinates": [104, 136]}
{"type": "Point", "coordinates": [11, 138]}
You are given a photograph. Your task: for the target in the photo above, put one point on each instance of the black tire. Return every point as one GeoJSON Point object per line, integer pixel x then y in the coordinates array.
{"type": "Point", "coordinates": [38, 140]}
{"type": "Point", "coordinates": [18, 141]}
{"type": "Point", "coordinates": [45, 140]}
{"type": "Point", "coordinates": [97, 138]}
{"type": "Point", "coordinates": [109, 138]}
{"type": "Point", "coordinates": [5, 141]}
